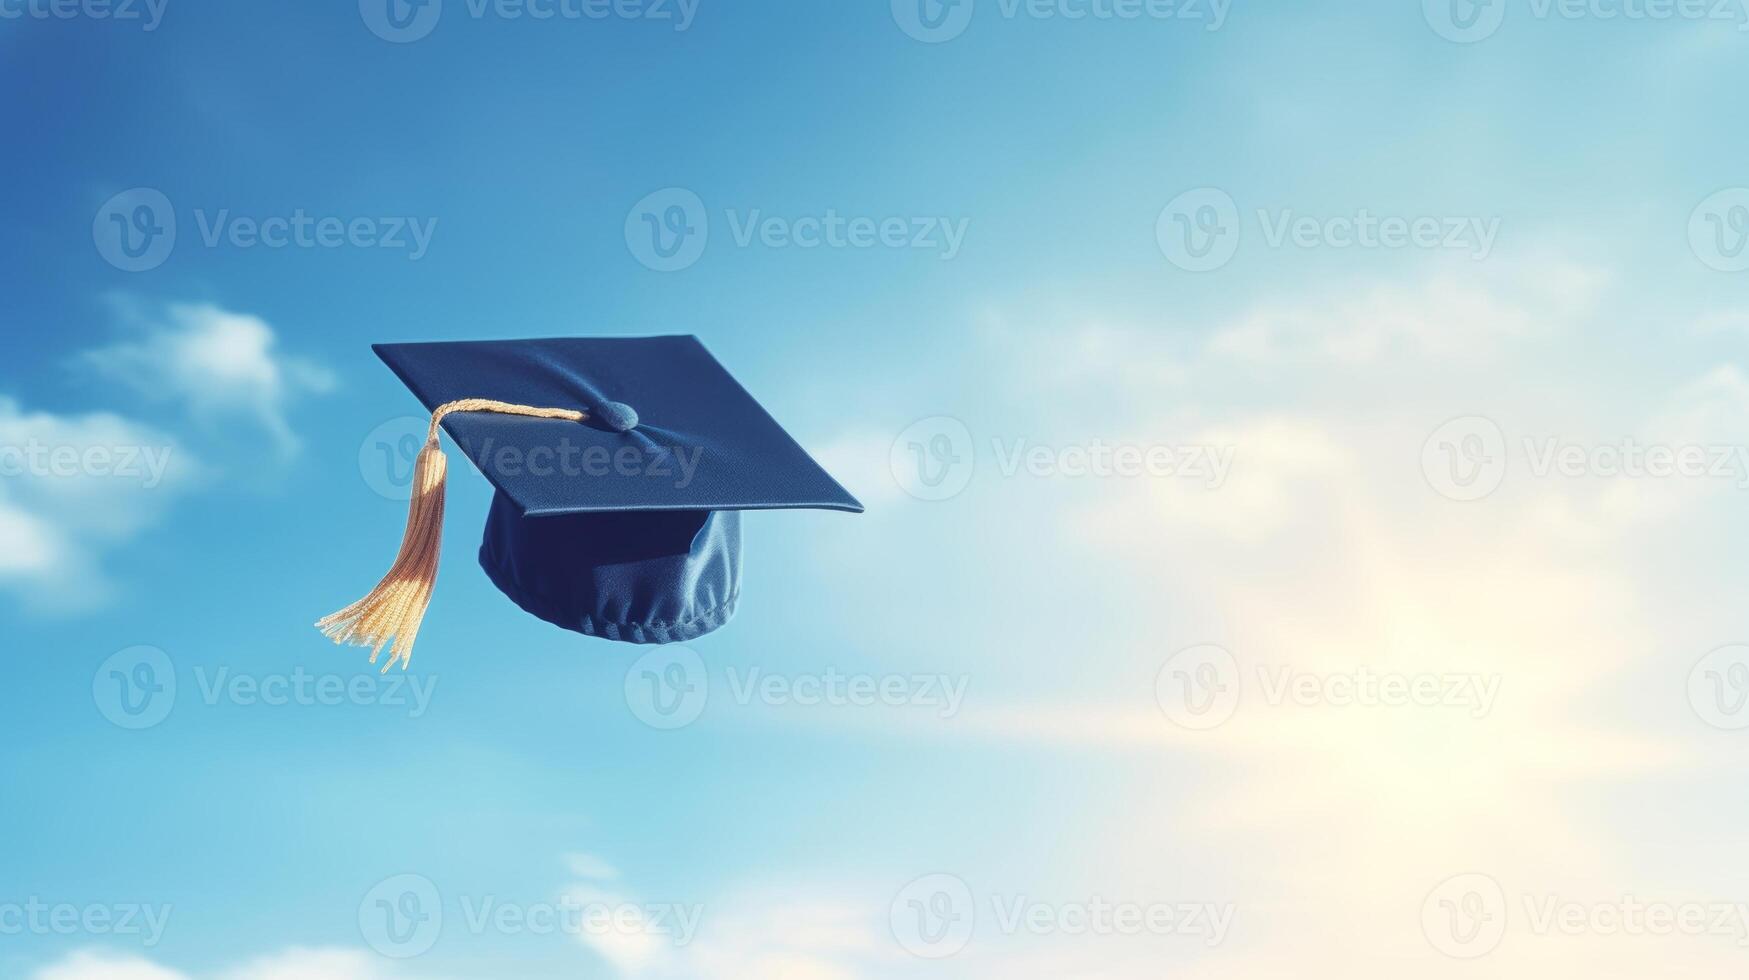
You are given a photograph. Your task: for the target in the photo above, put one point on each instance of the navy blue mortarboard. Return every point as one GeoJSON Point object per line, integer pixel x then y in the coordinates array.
{"type": "Point", "coordinates": [621, 467]}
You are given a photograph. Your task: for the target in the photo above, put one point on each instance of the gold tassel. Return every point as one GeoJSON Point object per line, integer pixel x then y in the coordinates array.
{"type": "Point", "coordinates": [395, 608]}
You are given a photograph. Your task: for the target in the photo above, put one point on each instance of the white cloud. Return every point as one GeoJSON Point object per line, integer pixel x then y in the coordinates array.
{"type": "Point", "coordinates": [1731, 321]}
{"type": "Point", "coordinates": [860, 461]}
{"type": "Point", "coordinates": [788, 934]}
{"type": "Point", "coordinates": [590, 867]}
{"type": "Point", "coordinates": [1465, 317]}
{"type": "Point", "coordinates": [28, 544]}
{"type": "Point", "coordinates": [312, 964]}
{"type": "Point", "coordinates": [1277, 463]}
{"type": "Point", "coordinates": [1328, 552]}
{"type": "Point", "coordinates": [72, 487]}
{"type": "Point", "coordinates": [292, 964]}
{"type": "Point", "coordinates": [95, 966]}
{"type": "Point", "coordinates": [799, 931]}
{"type": "Point", "coordinates": [631, 944]}
{"type": "Point", "coordinates": [220, 366]}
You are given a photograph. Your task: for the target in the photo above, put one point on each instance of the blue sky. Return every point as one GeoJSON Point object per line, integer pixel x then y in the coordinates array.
{"type": "Point", "coordinates": [1320, 410]}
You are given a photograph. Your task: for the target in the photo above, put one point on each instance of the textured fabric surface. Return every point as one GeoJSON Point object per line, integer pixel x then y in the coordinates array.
{"type": "Point", "coordinates": [624, 524]}
{"type": "Point", "coordinates": [700, 441]}
{"type": "Point", "coordinates": [657, 577]}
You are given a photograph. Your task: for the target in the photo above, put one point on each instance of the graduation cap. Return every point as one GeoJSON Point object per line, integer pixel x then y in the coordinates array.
{"type": "Point", "coordinates": [621, 467]}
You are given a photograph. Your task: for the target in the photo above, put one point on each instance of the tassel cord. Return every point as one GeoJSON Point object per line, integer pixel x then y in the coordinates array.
{"type": "Point", "coordinates": [391, 613]}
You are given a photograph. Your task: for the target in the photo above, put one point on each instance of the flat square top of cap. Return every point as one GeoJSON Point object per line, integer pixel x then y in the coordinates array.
{"type": "Point", "coordinates": [668, 427]}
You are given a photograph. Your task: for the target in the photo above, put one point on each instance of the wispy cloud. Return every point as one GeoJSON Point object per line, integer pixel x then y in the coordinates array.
{"type": "Point", "coordinates": [1328, 552]}
{"type": "Point", "coordinates": [292, 964]}
{"type": "Point", "coordinates": [220, 366]}
{"type": "Point", "coordinates": [73, 487]}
